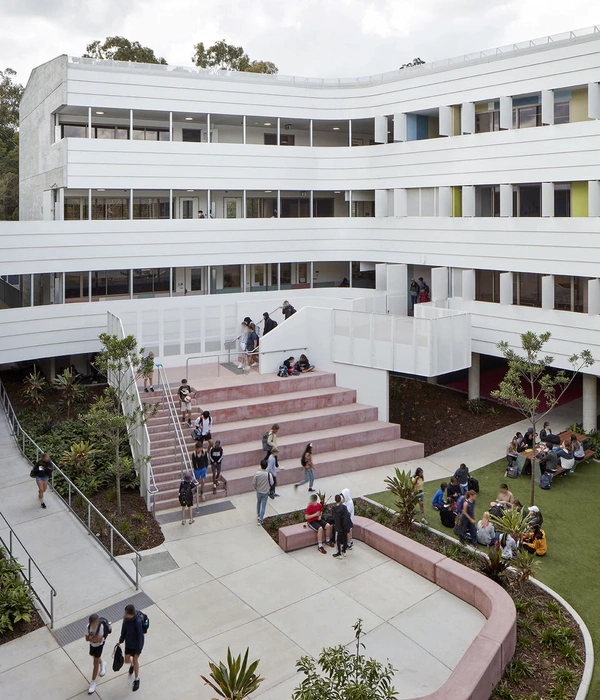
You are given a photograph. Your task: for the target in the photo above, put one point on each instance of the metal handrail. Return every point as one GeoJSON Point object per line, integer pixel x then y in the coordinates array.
{"type": "Point", "coordinates": [27, 577]}
{"type": "Point", "coordinates": [256, 325]}
{"type": "Point", "coordinates": [224, 354]}
{"type": "Point", "coordinates": [22, 438]}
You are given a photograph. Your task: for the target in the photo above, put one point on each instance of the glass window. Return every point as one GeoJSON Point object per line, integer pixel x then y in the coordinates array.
{"type": "Point", "coordinates": [76, 131]}
{"type": "Point", "coordinates": [571, 293]}
{"type": "Point", "coordinates": [487, 286]}
{"type": "Point", "coordinates": [232, 278]}
{"type": "Point", "coordinates": [76, 285]}
{"type": "Point", "coordinates": [323, 206]}
{"type": "Point", "coordinates": [196, 279]}
{"type": "Point", "coordinates": [487, 121]}
{"type": "Point", "coordinates": [151, 135]}
{"type": "Point", "coordinates": [117, 208]}
{"type": "Point", "coordinates": [191, 135]}
{"type": "Point", "coordinates": [527, 116]}
{"type": "Point", "coordinates": [562, 200]}
{"type": "Point", "coordinates": [527, 200]}
{"type": "Point", "coordinates": [270, 139]}
{"type": "Point", "coordinates": [187, 209]}
{"type": "Point", "coordinates": [139, 134]}
{"type": "Point", "coordinates": [527, 289]}
{"type": "Point", "coordinates": [163, 136]}
{"type": "Point", "coordinates": [98, 283]}
{"type": "Point", "coordinates": [152, 280]}
{"type": "Point", "coordinates": [364, 278]}
{"type": "Point", "coordinates": [105, 132]}
{"type": "Point", "coordinates": [122, 133]}
{"type": "Point", "coordinates": [562, 112]}
{"type": "Point", "coordinates": [76, 208]}
{"type": "Point", "coordinates": [286, 275]}
{"type": "Point", "coordinates": [117, 283]}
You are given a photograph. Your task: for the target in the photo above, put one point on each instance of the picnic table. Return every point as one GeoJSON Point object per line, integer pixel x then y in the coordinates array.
{"type": "Point", "coordinates": [527, 455]}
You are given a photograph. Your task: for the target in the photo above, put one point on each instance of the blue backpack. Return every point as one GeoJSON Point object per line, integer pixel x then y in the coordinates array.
{"type": "Point", "coordinates": [545, 481]}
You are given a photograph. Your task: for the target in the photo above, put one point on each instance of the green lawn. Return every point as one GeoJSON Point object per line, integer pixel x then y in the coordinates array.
{"type": "Point", "coordinates": [570, 510]}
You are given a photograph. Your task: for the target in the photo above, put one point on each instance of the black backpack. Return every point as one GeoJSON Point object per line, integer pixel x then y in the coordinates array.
{"type": "Point", "coordinates": [107, 626]}
{"type": "Point", "coordinates": [265, 442]}
{"type": "Point", "coordinates": [447, 516]}
{"type": "Point", "coordinates": [186, 497]}
{"type": "Point", "coordinates": [473, 484]}
{"type": "Point", "coordinates": [264, 462]}
{"type": "Point", "coordinates": [303, 459]}
{"type": "Point", "coordinates": [282, 371]}
{"type": "Point", "coordinates": [145, 622]}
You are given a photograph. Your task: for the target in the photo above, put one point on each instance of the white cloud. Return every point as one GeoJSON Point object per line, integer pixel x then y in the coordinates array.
{"type": "Point", "coordinates": [322, 38]}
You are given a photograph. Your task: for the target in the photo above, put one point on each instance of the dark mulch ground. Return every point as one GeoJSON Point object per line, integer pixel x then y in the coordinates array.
{"type": "Point", "coordinates": [549, 659]}
{"type": "Point", "coordinates": [135, 523]}
{"type": "Point", "coordinates": [439, 418]}
{"type": "Point", "coordinates": [22, 628]}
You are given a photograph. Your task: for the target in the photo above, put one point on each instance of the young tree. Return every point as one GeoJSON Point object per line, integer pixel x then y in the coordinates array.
{"type": "Point", "coordinates": [345, 675]}
{"type": "Point", "coordinates": [10, 98]}
{"type": "Point", "coordinates": [226, 56]}
{"type": "Point", "coordinates": [124, 365]}
{"type": "Point", "coordinates": [528, 382]}
{"type": "Point", "coordinates": [119, 48]}
{"type": "Point", "coordinates": [69, 385]}
{"type": "Point", "coordinates": [403, 488]}
{"type": "Point", "coordinates": [34, 386]}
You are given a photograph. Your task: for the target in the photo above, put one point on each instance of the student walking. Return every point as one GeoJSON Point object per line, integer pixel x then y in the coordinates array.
{"type": "Point", "coordinates": [186, 392]}
{"type": "Point", "coordinates": [467, 519]}
{"type": "Point", "coordinates": [262, 482]}
{"type": "Point", "coordinates": [132, 633]}
{"type": "Point", "coordinates": [349, 503]}
{"type": "Point", "coordinates": [204, 425]}
{"type": "Point", "coordinates": [97, 631]}
{"type": "Point", "coordinates": [287, 310]}
{"type": "Point", "coordinates": [200, 464]}
{"type": "Point", "coordinates": [307, 464]}
{"type": "Point", "coordinates": [418, 481]}
{"type": "Point", "coordinates": [270, 439]}
{"type": "Point", "coordinates": [269, 324]}
{"type": "Point", "coordinates": [215, 457]}
{"type": "Point", "coordinates": [149, 375]}
{"type": "Point", "coordinates": [186, 496]}
{"type": "Point", "coordinates": [342, 524]}
{"type": "Point", "coordinates": [272, 469]}
{"type": "Point", "coordinates": [42, 471]}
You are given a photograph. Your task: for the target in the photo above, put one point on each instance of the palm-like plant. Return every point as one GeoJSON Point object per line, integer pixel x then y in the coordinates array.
{"type": "Point", "coordinates": [69, 385]}
{"type": "Point", "coordinates": [407, 498]}
{"type": "Point", "coordinates": [513, 523]}
{"type": "Point", "coordinates": [34, 387]}
{"type": "Point", "coordinates": [79, 457]}
{"type": "Point", "coordinates": [525, 564]}
{"type": "Point", "coordinates": [236, 680]}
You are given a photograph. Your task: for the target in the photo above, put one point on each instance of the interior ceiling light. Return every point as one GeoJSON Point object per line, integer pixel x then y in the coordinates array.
{"type": "Point", "coordinates": [99, 112]}
{"type": "Point", "coordinates": [190, 190]}
{"type": "Point", "coordinates": [100, 189]}
{"type": "Point", "coordinates": [336, 128]}
{"type": "Point", "coordinates": [189, 119]}
{"type": "Point", "coordinates": [267, 124]}
{"type": "Point", "coordinates": [337, 191]}
{"type": "Point", "coordinates": [267, 191]}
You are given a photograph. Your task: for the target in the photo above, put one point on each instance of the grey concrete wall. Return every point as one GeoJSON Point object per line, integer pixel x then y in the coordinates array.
{"type": "Point", "coordinates": [41, 164]}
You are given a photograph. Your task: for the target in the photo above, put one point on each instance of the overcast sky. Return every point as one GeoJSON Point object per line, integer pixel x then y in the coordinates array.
{"type": "Point", "coordinates": [317, 38]}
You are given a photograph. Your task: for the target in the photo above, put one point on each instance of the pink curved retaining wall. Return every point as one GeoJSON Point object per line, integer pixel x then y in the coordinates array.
{"type": "Point", "coordinates": [481, 667]}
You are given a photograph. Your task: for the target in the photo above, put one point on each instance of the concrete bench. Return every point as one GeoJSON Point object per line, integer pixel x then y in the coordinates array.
{"type": "Point", "coordinates": [481, 667]}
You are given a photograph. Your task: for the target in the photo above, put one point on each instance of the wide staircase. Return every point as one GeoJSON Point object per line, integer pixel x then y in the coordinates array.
{"type": "Point", "coordinates": [346, 436]}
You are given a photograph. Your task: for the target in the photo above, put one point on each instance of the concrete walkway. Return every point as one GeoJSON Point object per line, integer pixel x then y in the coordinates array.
{"type": "Point", "coordinates": [231, 585]}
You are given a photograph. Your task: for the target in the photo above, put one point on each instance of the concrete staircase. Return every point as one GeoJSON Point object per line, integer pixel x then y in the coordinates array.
{"type": "Point", "coordinates": [346, 435]}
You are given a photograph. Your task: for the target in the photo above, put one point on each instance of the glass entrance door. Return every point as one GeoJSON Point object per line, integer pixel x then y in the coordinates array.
{"type": "Point", "coordinates": [232, 207]}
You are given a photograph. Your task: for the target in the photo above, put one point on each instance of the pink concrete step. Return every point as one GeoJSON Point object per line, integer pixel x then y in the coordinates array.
{"type": "Point", "coordinates": [270, 385]}
{"type": "Point", "coordinates": [271, 405]}
{"type": "Point", "coordinates": [331, 463]}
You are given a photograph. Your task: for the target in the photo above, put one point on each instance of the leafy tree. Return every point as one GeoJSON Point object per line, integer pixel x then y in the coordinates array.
{"type": "Point", "coordinates": [415, 62]}
{"type": "Point", "coordinates": [69, 385]}
{"type": "Point", "coordinates": [119, 48]}
{"type": "Point", "coordinates": [10, 98]}
{"type": "Point", "coordinates": [528, 382]}
{"type": "Point", "coordinates": [403, 488]}
{"type": "Point", "coordinates": [225, 56]}
{"type": "Point", "coordinates": [236, 680]}
{"type": "Point", "coordinates": [341, 674]}
{"type": "Point", "coordinates": [124, 365]}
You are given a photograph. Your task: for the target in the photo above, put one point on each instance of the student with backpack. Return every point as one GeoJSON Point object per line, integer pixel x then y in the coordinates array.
{"type": "Point", "coordinates": [132, 633]}
{"type": "Point", "coordinates": [269, 325]}
{"type": "Point", "coordinates": [307, 465]}
{"type": "Point", "coordinates": [215, 457]}
{"type": "Point", "coordinates": [185, 393]}
{"type": "Point", "coordinates": [98, 630]}
{"type": "Point", "coordinates": [462, 474]}
{"type": "Point", "coordinates": [200, 464]}
{"type": "Point", "coordinates": [186, 496]}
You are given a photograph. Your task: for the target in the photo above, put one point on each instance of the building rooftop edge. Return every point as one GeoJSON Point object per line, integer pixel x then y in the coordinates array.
{"type": "Point", "coordinates": [485, 56]}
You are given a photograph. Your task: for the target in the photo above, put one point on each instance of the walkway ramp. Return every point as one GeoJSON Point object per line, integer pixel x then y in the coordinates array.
{"type": "Point", "coordinates": [77, 567]}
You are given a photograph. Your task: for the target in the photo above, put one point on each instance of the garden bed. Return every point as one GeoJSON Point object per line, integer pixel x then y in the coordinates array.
{"type": "Point", "coordinates": [550, 655]}
{"type": "Point", "coordinates": [440, 417]}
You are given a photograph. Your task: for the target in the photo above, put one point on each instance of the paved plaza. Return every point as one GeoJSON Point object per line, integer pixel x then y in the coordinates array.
{"type": "Point", "coordinates": [229, 584]}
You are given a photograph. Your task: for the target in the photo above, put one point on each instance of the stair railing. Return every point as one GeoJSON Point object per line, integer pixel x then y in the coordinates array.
{"type": "Point", "coordinates": [179, 443]}
{"type": "Point", "coordinates": [229, 344]}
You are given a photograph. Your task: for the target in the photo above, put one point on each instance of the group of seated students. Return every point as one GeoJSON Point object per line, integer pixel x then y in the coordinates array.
{"type": "Point", "coordinates": [449, 501]}
{"type": "Point", "coordinates": [553, 455]}
{"type": "Point", "coordinates": [299, 366]}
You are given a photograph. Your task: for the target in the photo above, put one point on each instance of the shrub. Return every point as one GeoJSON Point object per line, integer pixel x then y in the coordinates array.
{"type": "Point", "coordinates": [476, 407]}
{"type": "Point", "coordinates": [494, 566]}
{"type": "Point", "coordinates": [34, 386]}
{"type": "Point", "coordinates": [403, 488]}
{"type": "Point", "coordinates": [16, 604]}
{"type": "Point", "coordinates": [525, 564]}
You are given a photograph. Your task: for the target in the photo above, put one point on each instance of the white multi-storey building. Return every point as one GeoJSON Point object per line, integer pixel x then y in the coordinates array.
{"type": "Point", "coordinates": [149, 190]}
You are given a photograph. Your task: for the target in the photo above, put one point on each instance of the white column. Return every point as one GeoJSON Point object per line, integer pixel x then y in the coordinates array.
{"type": "Point", "coordinates": [380, 129]}
{"type": "Point", "coordinates": [468, 200]}
{"type": "Point", "coordinates": [350, 274]}
{"type": "Point", "coordinates": [400, 127]}
{"type": "Point", "coordinates": [445, 115]}
{"type": "Point", "coordinates": [312, 273]}
{"type": "Point", "coordinates": [208, 204]}
{"type": "Point", "coordinates": [381, 204]}
{"type": "Point", "coordinates": [445, 201]}
{"type": "Point", "coordinates": [244, 204]}
{"type": "Point", "coordinates": [349, 132]}
{"type": "Point", "coordinates": [474, 377]}
{"type": "Point", "coordinates": [548, 292]}
{"type": "Point", "coordinates": [312, 202]}
{"type": "Point", "coordinates": [90, 285]}
{"type": "Point", "coordinates": [467, 118]}
{"type": "Point", "coordinates": [594, 297]}
{"type": "Point", "coordinates": [590, 402]}
{"type": "Point", "coordinates": [208, 128]}
{"type": "Point", "coordinates": [468, 285]}
{"type": "Point", "coordinates": [244, 129]}
{"type": "Point", "coordinates": [400, 202]}
{"type": "Point", "coordinates": [506, 200]}
{"type": "Point", "coordinates": [594, 198]}
{"type": "Point", "coordinates": [439, 284]}
{"type": "Point", "coordinates": [310, 133]}
{"type": "Point", "coordinates": [90, 204]}
{"type": "Point", "coordinates": [506, 112]}
{"type": "Point", "coordinates": [278, 276]}
{"type": "Point", "coordinates": [547, 199]}
{"type": "Point", "coordinates": [131, 125]}
{"type": "Point", "coordinates": [350, 204]}
{"type": "Point", "coordinates": [32, 291]}
{"type": "Point", "coordinates": [170, 204]}
{"type": "Point", "coordinates": [278, 131]}
{"type": "Point", "coordinates": [131, 284]}
{"type": "Point", "coordinates": [506, 288]}
{"type": "Point", "coordinates": [594, 100]}
{"type": "Point", "coordinates": [547, 107]}
{"type": "Point", "coordinates": [60, 205]}
{"type": "Point", "coordinates": [130, 205]}
{"type": "Point", "coordinates": [279, 204]}
{"type": "Point", "coordinates": [170, 281]}
{"type": "Point", "coordinates": [89, 122]}
{"type": "Point", "coordinates": [170, 126]}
